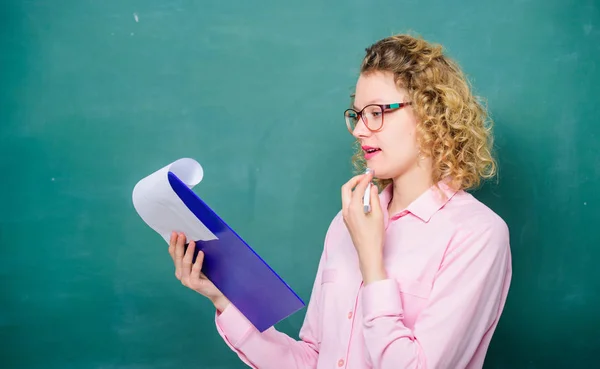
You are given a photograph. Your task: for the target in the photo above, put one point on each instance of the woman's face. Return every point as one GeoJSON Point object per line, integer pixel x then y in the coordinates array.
{"type": "Point", "coordinates": [392, 150]}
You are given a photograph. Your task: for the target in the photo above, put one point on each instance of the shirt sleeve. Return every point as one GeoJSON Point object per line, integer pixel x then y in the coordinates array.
{"type": "Point", "coordinates": [271, 348]}
{"type": "Point", "coordinates": [468, 293]}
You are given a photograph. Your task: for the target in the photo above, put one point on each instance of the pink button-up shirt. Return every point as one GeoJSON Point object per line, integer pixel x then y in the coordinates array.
{"type": "Point", "coordinates": [449, 269]}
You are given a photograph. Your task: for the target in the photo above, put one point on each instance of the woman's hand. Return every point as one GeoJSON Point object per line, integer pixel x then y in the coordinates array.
{"type": "Point", "coordinates": [190, 274]}
{"type": "Point", "coordinates": [366, 230]}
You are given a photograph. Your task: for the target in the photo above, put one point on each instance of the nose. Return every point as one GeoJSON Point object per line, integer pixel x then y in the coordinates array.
{"type": "Point", "coordinates": [361, 130]}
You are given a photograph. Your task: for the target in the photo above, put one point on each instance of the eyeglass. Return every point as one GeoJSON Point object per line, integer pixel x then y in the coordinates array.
{"type": "Point", "coordinates": [371, 115]}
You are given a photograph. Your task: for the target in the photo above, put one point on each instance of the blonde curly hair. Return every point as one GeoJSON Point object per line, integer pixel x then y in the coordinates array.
{"type": "Point", "coordinates": [453, 128]}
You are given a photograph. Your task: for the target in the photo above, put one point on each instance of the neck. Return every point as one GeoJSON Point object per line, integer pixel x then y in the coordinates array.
{"type": "Point", "coordinates": [408, 187]}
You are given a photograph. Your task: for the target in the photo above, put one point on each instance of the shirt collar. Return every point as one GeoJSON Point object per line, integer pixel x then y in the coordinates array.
{"type": "Point", "coordinates": [423, 206]}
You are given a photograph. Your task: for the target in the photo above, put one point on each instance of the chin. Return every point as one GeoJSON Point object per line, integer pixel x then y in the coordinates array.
{"type": "Point", "coordinates": [384, 172]}
{"type": "Point", "coordinates": [380, 172]}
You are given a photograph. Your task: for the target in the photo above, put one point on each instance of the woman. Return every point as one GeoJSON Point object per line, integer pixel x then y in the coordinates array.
{"type": "Point", "coordinates": [420, 281]}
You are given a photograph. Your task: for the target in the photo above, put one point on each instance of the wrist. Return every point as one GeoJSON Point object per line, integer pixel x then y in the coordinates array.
{"type": "Point", "coordinates": [220, 303]}
{"type": "Point", "coordinates": [372, 269]}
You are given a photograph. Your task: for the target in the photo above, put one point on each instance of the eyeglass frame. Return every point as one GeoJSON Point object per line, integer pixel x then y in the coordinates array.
{"type": "Point", "coordinates": [384, 108]}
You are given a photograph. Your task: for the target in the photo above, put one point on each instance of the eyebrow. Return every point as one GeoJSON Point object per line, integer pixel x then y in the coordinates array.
{"type": "Point", "coordinates": [375, 101]}
{"type": "Point", "coordinates": [367, 103]}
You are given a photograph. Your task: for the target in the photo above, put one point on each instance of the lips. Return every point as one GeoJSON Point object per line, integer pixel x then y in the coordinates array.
{"type": "Point", "coordinates": [370, 151]}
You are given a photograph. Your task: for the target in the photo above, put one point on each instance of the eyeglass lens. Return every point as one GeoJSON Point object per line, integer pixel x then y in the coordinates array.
{"type": "Point", "coordinates": [372, 116]}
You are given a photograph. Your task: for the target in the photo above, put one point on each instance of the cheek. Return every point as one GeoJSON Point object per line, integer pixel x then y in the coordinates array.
{"type": "Point", "coordinates": [402, 142]}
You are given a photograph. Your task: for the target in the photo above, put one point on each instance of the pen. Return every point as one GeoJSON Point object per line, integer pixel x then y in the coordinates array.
{"type": "Point", "coordinates": [367, 195]}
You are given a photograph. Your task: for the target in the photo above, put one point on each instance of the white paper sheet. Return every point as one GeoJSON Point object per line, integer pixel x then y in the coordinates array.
{"type": "Point", "coordinates": [160, 207]}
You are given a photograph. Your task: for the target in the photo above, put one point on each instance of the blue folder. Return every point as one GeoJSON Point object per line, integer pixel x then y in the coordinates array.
{"type": "Point", "coordinates": [259, 293]}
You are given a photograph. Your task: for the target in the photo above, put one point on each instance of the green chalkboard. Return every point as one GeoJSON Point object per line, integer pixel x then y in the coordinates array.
{"type": "Point", "coordinates": [94, 95]}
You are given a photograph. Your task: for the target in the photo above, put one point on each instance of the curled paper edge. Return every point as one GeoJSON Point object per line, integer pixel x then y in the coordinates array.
{"type": "Point", "coordinates": [160, 207]}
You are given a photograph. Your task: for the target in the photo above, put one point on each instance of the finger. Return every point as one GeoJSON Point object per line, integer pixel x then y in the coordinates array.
{"type": "Point", "coordinates": [347, 190]}
{"type": "Point", "coordinates": [179, 252]}
{"type": "Point", "coordinates": [375, 203]}
{"type": "Point", "coordinates": [360, 189]}
{"type": "Point", "coordinates": [172, 243]}
{"type": "Point", "coordinates": [197, 267]}
{"type": "Point", "coordinates": [186, 264]}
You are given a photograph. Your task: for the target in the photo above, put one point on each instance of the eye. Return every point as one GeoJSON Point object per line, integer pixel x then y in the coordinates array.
{"type": "Point", "coordinates": [373, 111]}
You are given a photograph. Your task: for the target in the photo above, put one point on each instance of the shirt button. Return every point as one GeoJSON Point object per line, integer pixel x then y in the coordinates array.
{"type": "Point", "coordinates": [350, 315]}
{"type": "Point", "coordinates": [341, 362]}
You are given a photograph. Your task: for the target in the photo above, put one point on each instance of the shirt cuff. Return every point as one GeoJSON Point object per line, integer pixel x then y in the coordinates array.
{"type": "Point", "coordinates": [233, 325]}
{"type": "Point", "coordinates": [381, 298]}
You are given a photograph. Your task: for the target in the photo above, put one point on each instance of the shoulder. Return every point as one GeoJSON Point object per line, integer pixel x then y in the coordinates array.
{"type": "Point", "coordinates": [335, 230]}
{"type": "Point", "coordinates": [469, 213]}
{"type": "Point", "coordinates": [477, 224]}
{"type": "Point", "coordinates": [336, 226]}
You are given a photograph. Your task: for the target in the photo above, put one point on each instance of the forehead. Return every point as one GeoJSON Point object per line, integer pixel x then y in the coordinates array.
{"type": "Point", "coordinates": [377, 87]}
